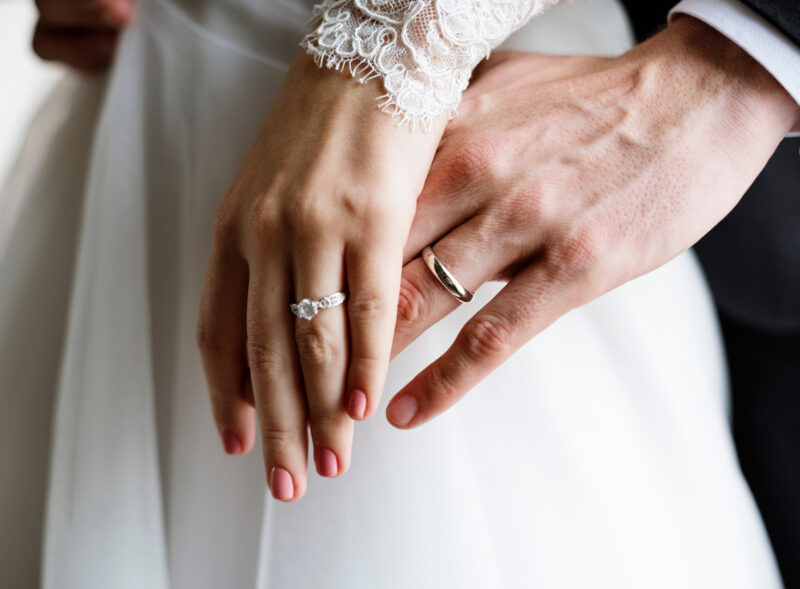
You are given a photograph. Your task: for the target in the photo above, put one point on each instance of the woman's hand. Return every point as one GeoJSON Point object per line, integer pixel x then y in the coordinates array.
{"type": "Point", "coordinates": [566, 177]}
{"type": "Point", "coordinates": [80, 33]}
{"type": "Point", "coordinates": [323, 203]}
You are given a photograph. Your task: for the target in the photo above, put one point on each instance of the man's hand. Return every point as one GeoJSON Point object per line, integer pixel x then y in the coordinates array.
{"type": "Point", "coordinates": [567, 177]}
{"type": "Point", "coordinates": [80, 33]}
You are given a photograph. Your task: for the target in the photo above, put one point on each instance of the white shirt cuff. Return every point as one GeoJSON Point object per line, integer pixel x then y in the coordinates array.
{"type": "Point", "coordinates": [779, 55]}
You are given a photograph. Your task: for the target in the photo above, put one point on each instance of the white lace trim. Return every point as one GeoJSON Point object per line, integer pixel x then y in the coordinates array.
{"type": "Point", "coordinates": [423, 50]}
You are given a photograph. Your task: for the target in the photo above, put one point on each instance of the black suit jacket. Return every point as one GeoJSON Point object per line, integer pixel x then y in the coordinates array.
{"type": "Point", "coordinates": [648, 15]}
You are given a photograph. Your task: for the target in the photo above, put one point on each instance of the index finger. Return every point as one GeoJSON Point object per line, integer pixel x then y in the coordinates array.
{"type": "Point", "coordinates": [533, 300]}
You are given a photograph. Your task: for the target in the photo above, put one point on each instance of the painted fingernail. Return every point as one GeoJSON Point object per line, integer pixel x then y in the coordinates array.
{"type": "Point", "coordinates": [327, 465]}
{"type": "Point", "coordinates": [280, 483]}
{"type": "Point", "coordinates": [230, 441]}
{"type": "Point", "coordinates": [357, 405]}
{"type": "Point", "coordinates": [402, 410]}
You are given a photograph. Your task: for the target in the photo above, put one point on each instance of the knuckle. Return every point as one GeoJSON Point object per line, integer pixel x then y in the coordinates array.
{"type": "Point", "coordinates": [266, 218]}
{"type": "Point", "coordinates": [307, 213]}
{"type": "Point", "coordinates": [527, 208]}
{"type": "Point", "coordinates": [366, 306]}
{"type": "Point", "coordinates": [355, 203]}
{"type": "Point", "coordinates": [487, 336]}
{"type": "Point", "coordinates": [578, 253]}
{"type": "Point", "coordinates": [321, 418]}
{"type": "Point", "coordinates": [316, 346]}
{"type": "Point", "coordinates": [367, 363]}
{"type": "Point", "coordinates": [477, 161]}
{"type": "Point", "coordinates": [264, 358]}
{"type": "Point", "coordinates": [276, 439]}
{"type": "Point", "coordinates": [410, 304]}
{"type": "Point", "coordinates": [443, 385]}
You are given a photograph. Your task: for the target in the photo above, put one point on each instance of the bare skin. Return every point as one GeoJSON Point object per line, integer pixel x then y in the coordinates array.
{"type": "Point", "coordinates": [323, 201]}
{"type": "Point", "coordinates": [566, 177]}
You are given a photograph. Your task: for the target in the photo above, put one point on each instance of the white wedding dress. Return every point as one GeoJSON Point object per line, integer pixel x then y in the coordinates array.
{"type": "Point", "coordinates": [600, 455]}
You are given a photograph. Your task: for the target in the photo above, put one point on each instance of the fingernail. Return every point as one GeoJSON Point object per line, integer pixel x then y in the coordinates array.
{"type": "Point", "coordinates": [402, 410]}
{"type": "Point", "coordinates": [230, 441]}
{"type": "Point", "coordinates": [327, 465]}
{"type": "Point", "coordinates": [357, 405]}
{"type": "Point", "coordinates": [280, 482]}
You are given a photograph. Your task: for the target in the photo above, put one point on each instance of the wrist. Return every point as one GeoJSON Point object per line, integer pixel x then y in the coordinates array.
{"type": "Point", "coordinates": [363, 97]}
{"type": "Point", "coordinates": [709, 70]}
{"type": "Point", "coordinates": [692, 90]}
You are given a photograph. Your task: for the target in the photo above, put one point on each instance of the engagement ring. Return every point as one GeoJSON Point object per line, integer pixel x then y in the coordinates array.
{"type": "Point", "coordinates": [308, 308]}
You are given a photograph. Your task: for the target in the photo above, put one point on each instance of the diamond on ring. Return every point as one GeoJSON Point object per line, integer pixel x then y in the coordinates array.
{"type": "Point", "coordinates": [308, 308]}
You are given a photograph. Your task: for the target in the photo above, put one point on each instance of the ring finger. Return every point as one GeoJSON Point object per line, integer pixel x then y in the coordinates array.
{"type": "Point", "coordinates": [474, 253]}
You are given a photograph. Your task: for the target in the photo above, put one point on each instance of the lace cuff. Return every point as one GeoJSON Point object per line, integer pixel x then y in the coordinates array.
{"type": "Point", "coordinates": [423, 50]}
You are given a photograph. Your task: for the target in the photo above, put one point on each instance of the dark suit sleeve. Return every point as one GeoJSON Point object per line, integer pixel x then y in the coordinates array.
{"type": "Point", "coordinates": [784, 14]}
{"type": "Point", "coordinates": [648, 15]}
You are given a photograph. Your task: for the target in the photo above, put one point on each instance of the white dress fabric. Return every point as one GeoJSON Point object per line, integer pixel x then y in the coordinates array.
{"type": "Point", "coordinates": [600, 455]}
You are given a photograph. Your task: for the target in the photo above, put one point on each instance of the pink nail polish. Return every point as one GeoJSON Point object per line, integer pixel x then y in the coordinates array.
{"type": "Point", "coordinates": [357, 405]}
{"type": "Point", "coordinates": [327, 464]}
{"type": "Point", "coordinates": [402, 410]}
{"type": "Point", "coordinates": [280, 482]}
{"type": "Point", "coordinates": [230, 441]}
